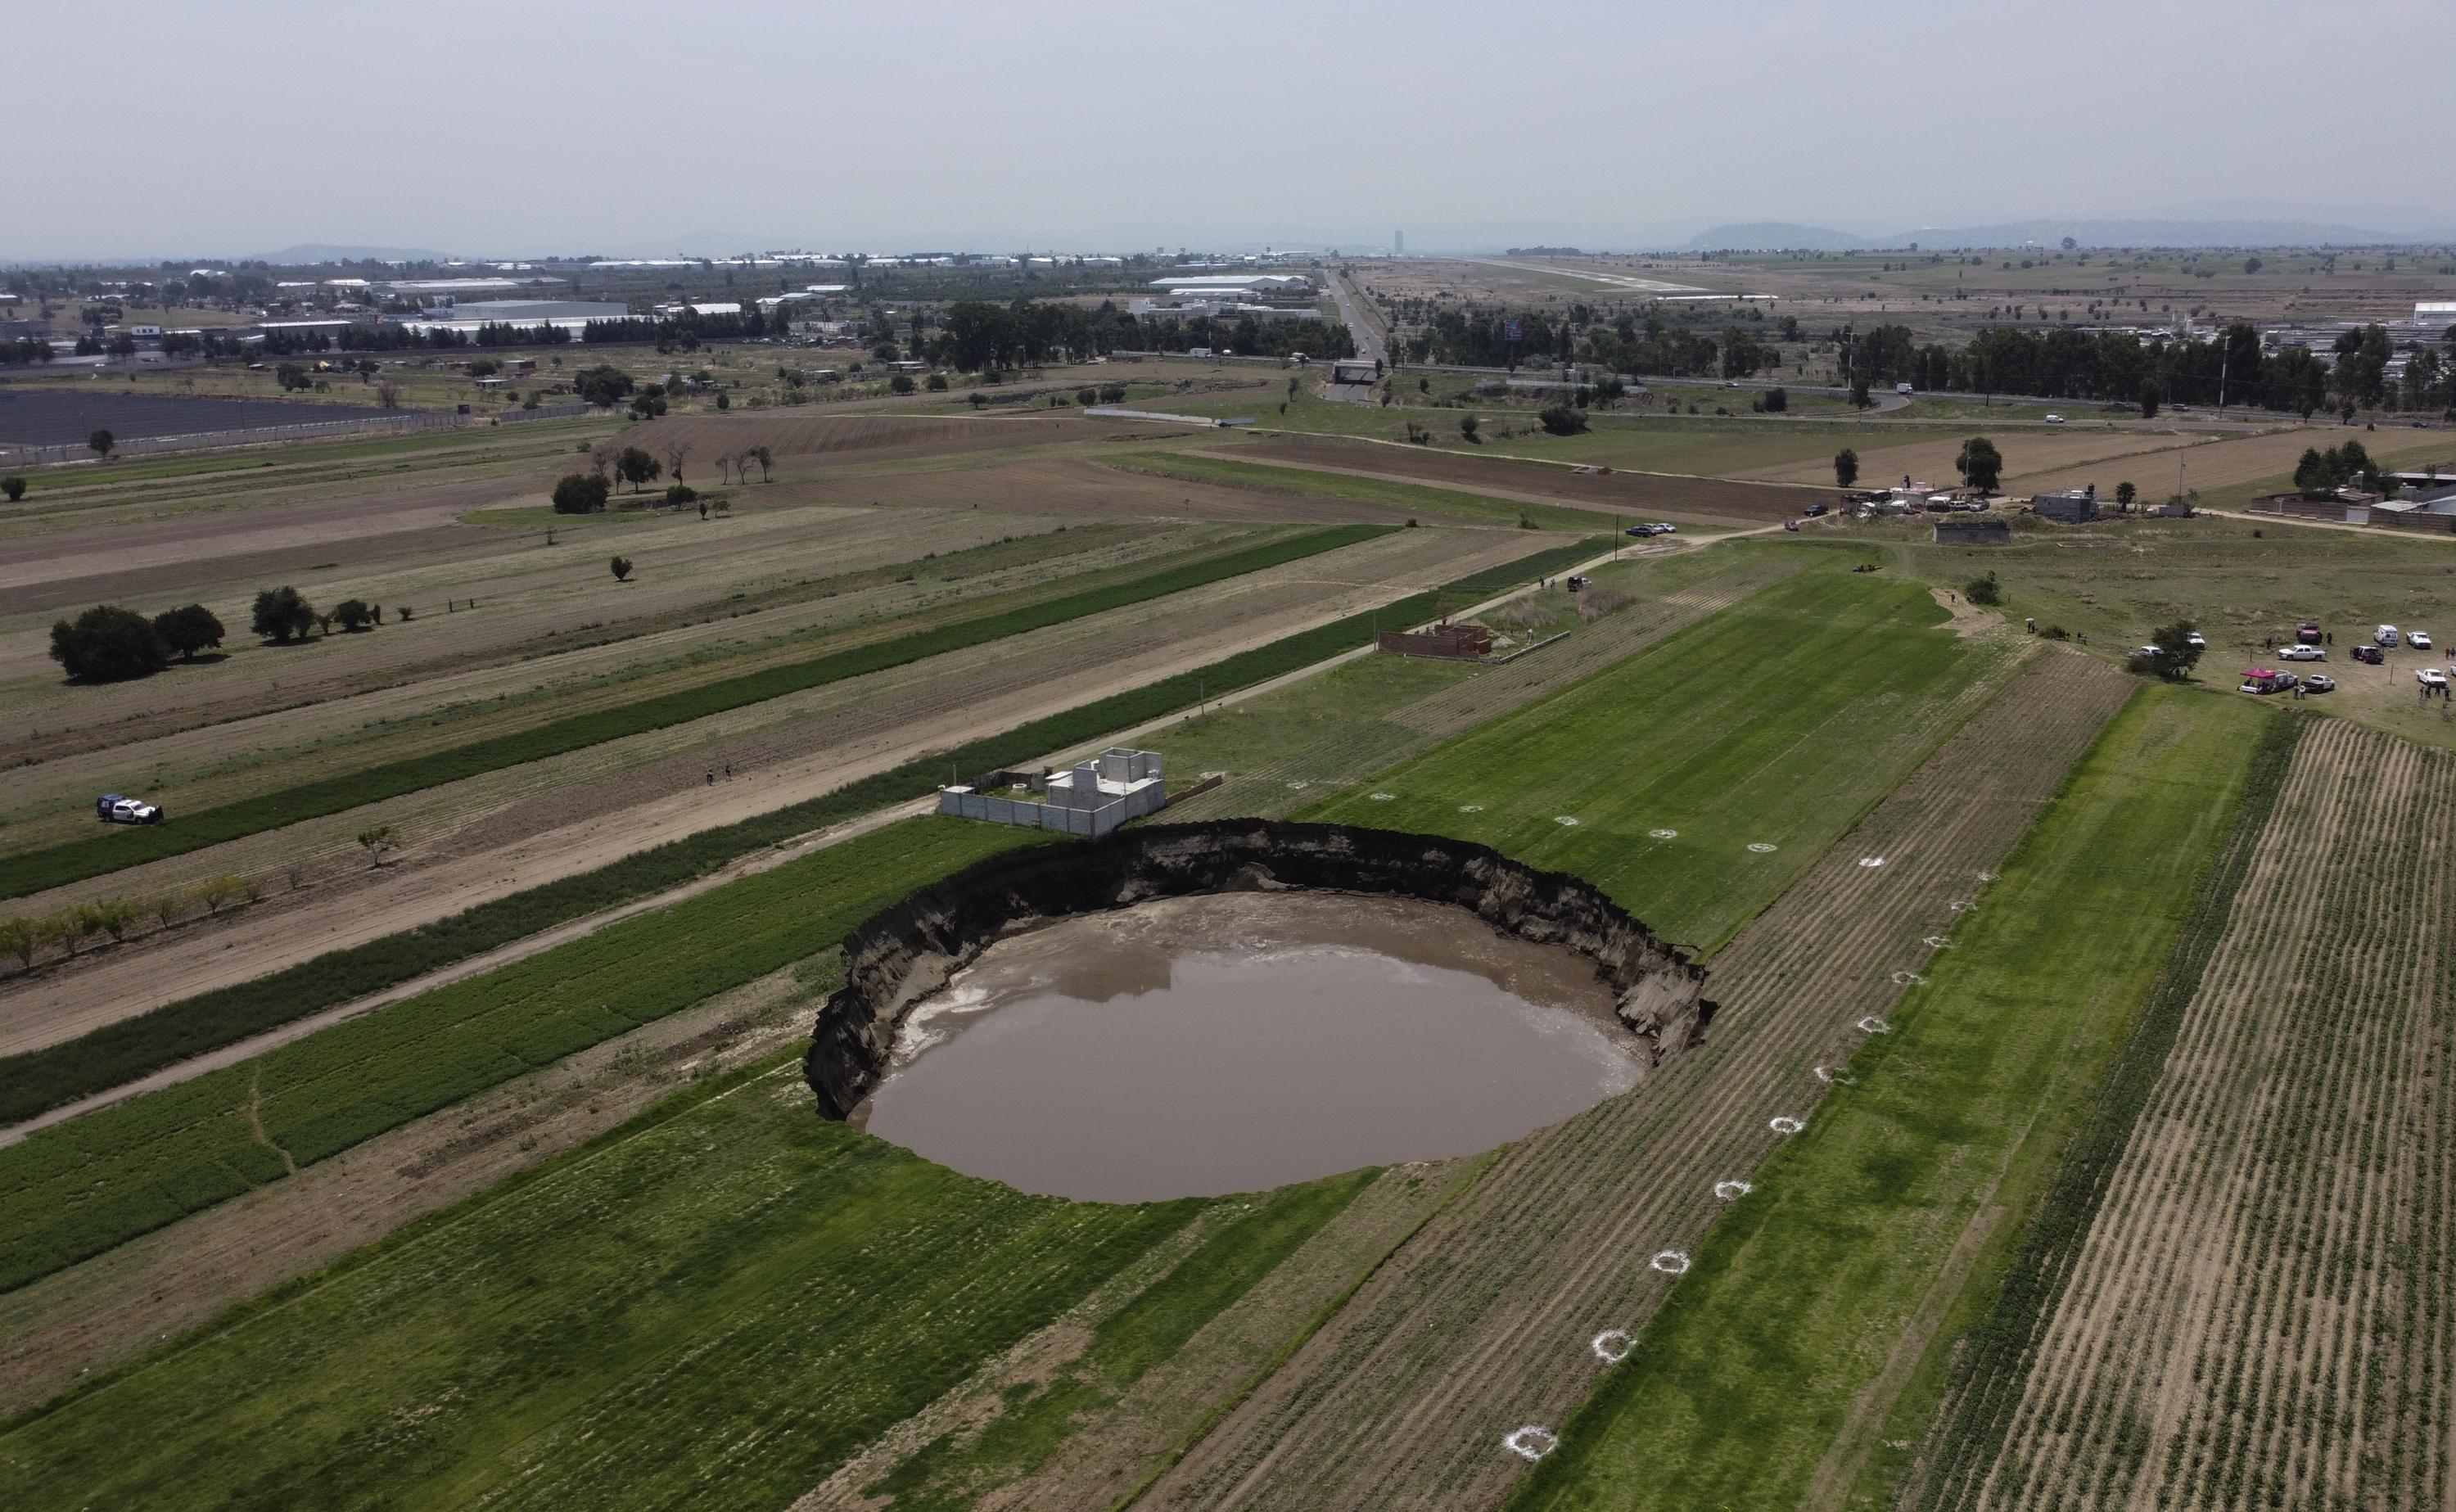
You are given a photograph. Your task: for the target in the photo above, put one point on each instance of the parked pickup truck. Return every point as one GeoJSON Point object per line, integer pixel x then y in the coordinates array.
{"type": "Point", "coordinates": [113, 808]}
{"type": "Point", "coordinates": [2300, 652]}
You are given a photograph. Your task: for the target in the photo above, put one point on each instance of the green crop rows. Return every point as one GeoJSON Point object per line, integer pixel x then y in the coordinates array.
{"type": "Point", "coordinates": [1775, 722]}
{"type": "Point", "coordinates": [716, 1307]}
{"type": "Point", "coordinates": [76, 860]}
{"type": "Point", "coordinates": [106, 1057]}
{"type": "Point", "coordinates": [81, 1187]}
{"type": "Point", "coordinates": [1771, 1357]}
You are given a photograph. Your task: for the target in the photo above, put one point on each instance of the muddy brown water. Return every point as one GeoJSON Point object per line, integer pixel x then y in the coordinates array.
{"type": "Point", "coordinates": [1236, 1042]}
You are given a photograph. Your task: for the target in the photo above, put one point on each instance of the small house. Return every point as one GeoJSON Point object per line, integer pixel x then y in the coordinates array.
{"type": "Point", "coordinates": [2071, 506]}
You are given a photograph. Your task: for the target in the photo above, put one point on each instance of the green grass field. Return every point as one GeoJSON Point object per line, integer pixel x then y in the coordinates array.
{"type": "Point", "coordinates": [1771, 1367]}
{"type": "Point", "coordinates": [1776, 722]}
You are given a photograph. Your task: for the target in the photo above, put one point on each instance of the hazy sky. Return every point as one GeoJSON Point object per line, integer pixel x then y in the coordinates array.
{"type": "Point", "coordinates": [551, 126]}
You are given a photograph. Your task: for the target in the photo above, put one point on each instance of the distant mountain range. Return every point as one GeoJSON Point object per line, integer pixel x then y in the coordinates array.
{"type": "Point", "coordinates": [1782, 235]}
{"type": "Point", "coordinates": [311, 252]}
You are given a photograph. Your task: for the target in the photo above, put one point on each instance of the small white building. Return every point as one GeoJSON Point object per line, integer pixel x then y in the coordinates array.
{"type": "Point", "coordinates": [1091, 798]}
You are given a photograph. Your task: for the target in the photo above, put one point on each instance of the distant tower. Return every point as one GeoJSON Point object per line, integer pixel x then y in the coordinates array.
{"type": "Point", "coordinates": [1398, 243]}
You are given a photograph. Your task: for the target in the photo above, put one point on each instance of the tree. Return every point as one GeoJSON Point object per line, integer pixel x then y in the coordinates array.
{"type": "Point", "coordinates": [675, 455]}
{"type": "Point", "coordinates": [376, 840]}
{"type": "Point", "coordinates": [14, 486]}
{"type": "Point", "coordinates": [1981, 466]}
{"type": "Point", "coordinates": [1562, 420]}
{"type": "Point", "coordinates": [188, 630]}
{"type": "Point", "coordinates": [2175, 640]}
{"type": "Point", "coordinates": [352, 615]}
{"type": "Point", "coordinates": [581, 492]}
{"type": "Point", "coordinates": [1860, 399]}
{"type": "Point", "coordinates": [620, 566]}
{"type": "Point", "coordinates": [281, 615]}
{"type": "Point", "coordinates": [636, 467]}
{"type": "Point", "coordinates": [23, 937]}
{"type": "Point", "coordinates": [901, 383]}
{"type": "Point", "coordinates": [1846, 467]}
{"type": "Point", "coordinates": [603, 386]}
{"type": "Point", "coordinates": [108, 645]}
{"type": "Point", "coordinates": [102, 442]}
{"type": "Point", "coordinates": [1776, 401]}
{"type": "Point", "coordinates": [681, 494]}
{"type": "Point", "coordinates": [291, 376]}
{"type": "Point", "coordinates": [2124, 494]}
{"type": "Point", "coordinates": [648, 404]}
{"type": "Point", "coordinates": [1470, 427]}
{"type": "Point", "coordinates": [2251, 264]}
{"type": "Point", "coordinates": [2149, 399]}
{"type": "Point", "coordinates": [113, 915]}
{"type": "Point", "coordinates": [1983, 590]}
{"type": "Point", "coordinates": [937, 383]}
{"type": "Point", "coordinates": [765, 457]}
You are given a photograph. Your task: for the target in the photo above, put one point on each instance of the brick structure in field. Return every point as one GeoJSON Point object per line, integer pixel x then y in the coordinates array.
{"type": "Point", "coordinates": [1452, 640]}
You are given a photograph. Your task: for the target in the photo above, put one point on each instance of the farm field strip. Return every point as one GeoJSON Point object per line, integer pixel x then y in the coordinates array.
{"type": "Point", "coordinates": [1395, 494]}
{"type": "Point", "coordinates": [1484, 1323]}
{"type": "Point", "coordinates": [1278, 788]}
{"type": "Point", "coordinates": [2256, 1315]}
{"type": "Point", "coordinates": [1771, 1369]}
{"type": "Point", "coordinates": [127, 1046]}
{"type": "Point", "coordinates": [35, 870]}
{"type": "Point", "coordinates": [533, 650]}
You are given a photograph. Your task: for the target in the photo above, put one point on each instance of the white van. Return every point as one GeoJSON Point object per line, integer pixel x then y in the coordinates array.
{"type": "Point", "coordinates": [2384, 635]}
{"type": "Point", "coordinates": [1903, 389]}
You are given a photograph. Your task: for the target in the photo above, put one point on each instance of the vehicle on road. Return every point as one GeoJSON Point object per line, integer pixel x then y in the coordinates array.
{"type": "Point", "coordinates": [1577, 581]}
{"type": "Point", "coordinates": [2151, 652]}
{"type": "Point", "coordinates": [2429, 677]}
{"type": "Point", "coordinates": [1816, 510]}
{"type": "Point", "coordinates": [2318, 682]}
{"type": "Point", "coordinates": [2054, 420]}
{"type": "Point", "coordinates": [2369, 653]}
{"type": "Point", "coordinates": [2300, 652]}
{"type": "Point", "coordinates": [2384, 635]}
{"type": "Point", "coordinates": [2197, 640]}
{"type": "Point", "coordinates": [1902, 389]}
{"type": "Point", "coordinates": [1792, 526]}
{"type": "Point", "coordinates": [2419, 640]}
{"type": "Point", "coordinates": [1663, 527]}
{"type": "Point", "coordinates": [113, 808]}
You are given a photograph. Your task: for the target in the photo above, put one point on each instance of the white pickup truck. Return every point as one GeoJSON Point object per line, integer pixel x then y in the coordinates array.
{"type": "Point", "coordinates": [113, 808]}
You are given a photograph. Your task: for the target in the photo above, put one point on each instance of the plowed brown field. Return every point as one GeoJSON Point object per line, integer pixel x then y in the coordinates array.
{"type": "Point", "coordinates": [1483, 1321]}
{"type": "Point", "coordinates": [1632, 494]}
{"type": "Point", "coordinates": [2259, 1315]}
{"type": "Point", "coordinates": [843, 439]}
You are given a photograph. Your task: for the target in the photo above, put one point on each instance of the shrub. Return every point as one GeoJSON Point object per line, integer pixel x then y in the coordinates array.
{"type": "Point", "coordinates": [936, 383]}
{"type": "Point", "coordinates": [1846, 467]}
{"type": "Point", "coordinates": [1562, 420]}
{"type": "Point", "coordinates": [1983, 590]}
{"type": "Point", "coordinates": [14, 486]}
{"type": "Point", "coordinates": [352, 615]}
{"type": "Point", "coordinates": [681, 494]}
{"type": "Point", "coordinates": [901, 383]}
{"type": "Point", "coordinates": [1776, 401]}
{"type": "Point", "coordinates": [108, 644]}
{"type": "Point", "coordinates": [188, 630]}
{"type": "Point", "coordinates": [281, 615]}
{"type": "Point", "coordinates": [621, 567]}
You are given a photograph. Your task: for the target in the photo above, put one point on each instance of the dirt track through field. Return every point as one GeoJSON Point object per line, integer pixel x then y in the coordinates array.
{"type": "Point", "coordinates": [2259, 1315]}
{"type": "Point", "coordinates": [489, 836]}
{"type": "Point", "coordinates": [1483, 1321]}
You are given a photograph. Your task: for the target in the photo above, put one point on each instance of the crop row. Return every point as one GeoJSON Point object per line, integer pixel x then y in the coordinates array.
{"type": "Point", "coordinates": [1994, 1359]}
{"type": "Point", "coordinates": [83, 1186]}
{"type": "Point", "coordinates": [118, 1053]}
{"type": "Point", "coordinates": [74, 861]}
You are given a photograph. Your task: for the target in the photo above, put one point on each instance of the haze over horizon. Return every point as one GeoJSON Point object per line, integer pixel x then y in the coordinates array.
{"type": "Point", "coordinates": [1090, 124]}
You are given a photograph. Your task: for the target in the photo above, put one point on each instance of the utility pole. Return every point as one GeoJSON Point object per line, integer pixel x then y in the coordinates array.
{"type": "Point", "coordinates": [2223, 356]}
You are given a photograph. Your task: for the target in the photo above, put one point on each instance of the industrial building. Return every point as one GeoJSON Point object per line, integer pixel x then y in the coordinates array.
{"type": "Point", "coordinates": [1091, 798]}
{"type": "Point", "coordinates": [567, 315]}
{"type": "Point", "coordinates": [1230, 284]}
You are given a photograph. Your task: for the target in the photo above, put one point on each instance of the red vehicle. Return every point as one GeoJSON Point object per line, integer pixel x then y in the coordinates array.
{"type": "Point", "coordinates": [2307, 632]}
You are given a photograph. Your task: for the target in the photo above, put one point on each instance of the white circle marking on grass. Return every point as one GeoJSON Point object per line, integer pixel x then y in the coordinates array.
{"type": "Point", "coordinates": [1611, 1346]}
{"type": "Point", "coordinates": [1762, 847]}
{"type": "Point", "coordinates": [1785, 1124]}
{"type": "Point", "coordinates": [1568, 820]}
{"type": "Point", "coordinates": [1937, 942]}
{"type": "Point", "coordinates": [1827, 1074]}
{"type": "Point", "coordinates": [1384, 798]}
{"type": "Point", "coordinates": [1963, 905]}
{"type": "Point", "coordinates": [1873, 1025]}
{"type": "Point", "coordinates": [1671, 1262]}
{"type": "Point", "coordinates": [1732, 1191]}
{"type": "Point", "coordinates": [1470, 808]}
{"type": "Point", "coordinates": [1871, 861]}
{"type": "Point", "coordinates": [1298, 787]}
{"type": "Point", "coordinates": [1531, 1442]}
{"type": "Point", "coordinates": [1664, 834]}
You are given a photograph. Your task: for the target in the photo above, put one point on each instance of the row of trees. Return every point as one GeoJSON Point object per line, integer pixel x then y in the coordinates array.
{"type": "Point", "coordinates": [586, 493]}
{"type": "Point", "coordinates": [1981, 464]}
{"type": "Point", "coordinates": [108, 644]}
{"type": "Point", "coordinates": [2320, 474]}
{"type": "Point", "coordinates": [68, 928]}
{"type": "Point", "coordinates": [976, 336]}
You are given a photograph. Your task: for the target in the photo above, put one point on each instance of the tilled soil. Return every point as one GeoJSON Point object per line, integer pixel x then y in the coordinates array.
{"type": "Point", "coordinates": [2256, 1316]}
{"type": "Point", "coordinates": [1626, 493]}
{"type": "Point", "coordinates": [1483, 1321]}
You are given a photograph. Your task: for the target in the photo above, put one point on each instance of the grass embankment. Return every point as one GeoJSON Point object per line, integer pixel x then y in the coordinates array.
{"type": "Point", "coordinates": [1773, 1367]}
{"type": "Point", "coordinates": [119, 1053]}
{"type": "Point", "coordinates": [81, 1187]}
{"type": "Point", "coordinates": [1776, 723]}
{"type": "Point", "coordinates": [95, 855]}
{"type": "Point", "coordinates": [1979, 1378]}
{"type": "Point", "coordinates": [1415, 499]}
{"type": "Point", "coordinates": [718, 1304]}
